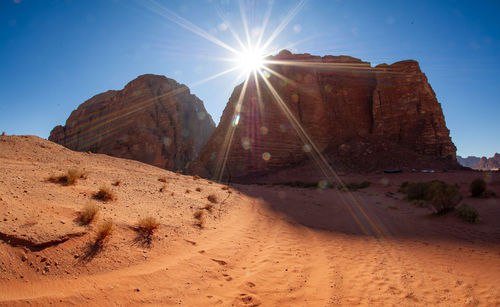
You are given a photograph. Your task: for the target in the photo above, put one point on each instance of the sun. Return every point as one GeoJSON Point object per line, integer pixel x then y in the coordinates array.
{"type": "Point", "coordinates": [250, 60]}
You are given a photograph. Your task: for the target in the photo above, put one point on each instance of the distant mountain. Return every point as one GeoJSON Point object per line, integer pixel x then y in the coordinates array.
{"type": "Point", "coordinates": [482, 163]}
{"type": "Point", "coordinates": [470, 161]}
{"type": "Point", "coordinates": [490, 163]}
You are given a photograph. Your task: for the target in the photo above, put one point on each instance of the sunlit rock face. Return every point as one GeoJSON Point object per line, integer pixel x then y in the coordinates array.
{"type": "Point", "coordinates": [359, 118]}
{"type": "Point", "coordinates": [489, 163]}
{"type": "Point", "coordinates": [154, 120]}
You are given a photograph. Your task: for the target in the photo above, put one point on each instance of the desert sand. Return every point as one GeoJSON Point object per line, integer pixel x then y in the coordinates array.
{"type": "Point", "coordinates": [261, 245]}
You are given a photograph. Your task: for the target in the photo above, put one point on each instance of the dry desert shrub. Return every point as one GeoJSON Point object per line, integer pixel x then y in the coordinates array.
{"type": "Point", "coordinates": [468, 213]}
{"type": "Point", "coordinates": [104, 231]}
{"type": "Point", "coordinates": [70, 178]}
{"type": "Point", "coordinates": [198, 215]}
{"type": "Point", "coordinates": [442, 197]}
{"type": "Point", "coordinates": [105, 194]}
{"type": "Point", "coordinates": [478, 188]}
{"type": "Point", "coordinates": [212, 198]}
{"type": "Point", "coordinates": [198, 189]}
{"type": "Point", "coordinates": [209, 207]}
{"type": "Point", "coordinates": [188, 191]}
{"type": "Point", "coordinates": [148, 225]}
{"type": "Point", "coordinates": [88, 213]}
{"type": "Point", "coordinates": [354, 186]}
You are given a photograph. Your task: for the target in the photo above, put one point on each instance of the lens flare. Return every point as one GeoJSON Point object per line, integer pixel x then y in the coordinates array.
{"type": "Point", "coordinates": [250, 60]}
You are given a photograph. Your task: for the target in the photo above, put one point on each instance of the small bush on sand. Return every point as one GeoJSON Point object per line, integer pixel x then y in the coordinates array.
{"type": "Point", "coordinates": [297, 184]}
{"type": "Point", "coordinates": [162, 179]}
{"type": "Point", "coordinates": [70, 178]}
{"type": "Point", "coordinates": [442, 196]}
{"type": "Point", "coordinates": [212, 198]}
{"type": "Point", "coordinates": [209, 207]}
{"type": "Point", "coordinates": [478, 188]}
{"type": "Point", "coordinates": [104, 231]}
{"type": "Point", "coordinates": [198, 189]}
{"type": "Point", "coordinates": [416, 190]}
{"type": "Point", "coordinates": [148, 225]}
{"type": "Point", "coordinates": [198, 215]}
{"type": "Point", "coordinates": [468, 213]}
{"type": "Point", "coordinates": [88, 213]}
{"type": "Point", "coordinates": [354, 186]}
{"type": "Point", "coordinates": [105, 194]}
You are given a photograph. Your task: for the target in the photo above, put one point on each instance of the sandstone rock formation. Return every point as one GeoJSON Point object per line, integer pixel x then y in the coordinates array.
{"type": "Point", "coordinates": [492, 163]}
{"type": "Point", "coordinates": [482, 163]}
{"type": "Point", "coordinates": [353, 116]}
{"type": "Point", "coordinates": [153, 119]}
{"type": "Point", "coordinates": [470, 161]}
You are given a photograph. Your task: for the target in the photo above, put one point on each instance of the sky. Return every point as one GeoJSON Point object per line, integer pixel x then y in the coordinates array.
{"type": "Point", "coordinates": [56, 54]}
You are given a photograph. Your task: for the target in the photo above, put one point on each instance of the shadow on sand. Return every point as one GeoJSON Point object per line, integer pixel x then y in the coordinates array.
{"type": "Point", "coordinates": [91, 250]}
{"type": "Point", "coordinates": [367, 213]}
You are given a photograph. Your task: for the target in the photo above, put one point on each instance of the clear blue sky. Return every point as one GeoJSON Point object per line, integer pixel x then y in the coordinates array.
{"type": "Point", "coordinates": [54, 55]}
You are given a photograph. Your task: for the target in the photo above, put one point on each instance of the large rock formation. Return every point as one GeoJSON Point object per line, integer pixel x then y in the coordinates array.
{"type": "Point", "coordinates": [482, 163]}
{"type": "Point", "coordinates": [153, 119]}
{"type": "Point", "coordinates": [470, 161]}
{"type": "Point", "coordinates": [335, 109]}
{"type": "Point", "coordinates": [492, 163]}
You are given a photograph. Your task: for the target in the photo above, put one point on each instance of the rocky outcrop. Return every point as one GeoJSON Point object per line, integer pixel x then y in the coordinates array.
{"type": "Point", "coordinates": [335, 109]}
{"type": "Point", "coordinates": [492, 163]}
{"type": "Point", "coordinates": [470, 161]}
{"type": "Point", "coordinates": [482, 163]}
{"type": "Point", "coordinates": [153, 119]}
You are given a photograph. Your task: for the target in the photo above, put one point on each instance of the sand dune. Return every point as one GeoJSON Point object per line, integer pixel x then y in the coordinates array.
{"type": "Point", "coordinates": [260, 246]}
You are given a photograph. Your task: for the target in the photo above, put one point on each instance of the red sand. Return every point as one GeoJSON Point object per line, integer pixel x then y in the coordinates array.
{"type": "Point", "coordinates": [261, 245]}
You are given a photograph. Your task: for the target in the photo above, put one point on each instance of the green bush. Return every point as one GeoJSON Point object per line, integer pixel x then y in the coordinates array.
{"type": "Point", "coordinates": [323, 184]}
{"type": "Point", "coordinates": [478, 187]}
{"type": "Point", "coordinates": [417, 190]}
{"type": "Point", "coordinates": [364, 184]}
{"type": "Point", "coordinates": [354, 186]}
{"type": "Point", "coordinates": [468, 213]}
{"type": "Point", "coordinates": [442, 196]}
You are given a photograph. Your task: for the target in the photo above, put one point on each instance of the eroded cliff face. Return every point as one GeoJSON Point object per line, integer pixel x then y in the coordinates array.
{"type": "Point", "coordinates": [492, 163]}
{"type": "Point", "coordinates": [154, 120]}
{"type": "Point", "coordinates": [360, 118]}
